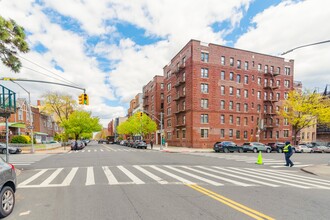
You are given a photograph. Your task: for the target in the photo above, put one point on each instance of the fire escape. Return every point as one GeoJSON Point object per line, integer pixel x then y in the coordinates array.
{"type": "Point", "coordinates": [180, 93]}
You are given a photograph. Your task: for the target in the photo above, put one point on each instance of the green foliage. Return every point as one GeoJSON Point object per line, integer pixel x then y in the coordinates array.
{"type": "Point", "coordinates": [81, 122]}
{"type": "Point", "coordinates": [137, 125]}
{"type": "Point", "coordinates": [19, 139]}
{"type": "Point", "coordinates": [12, 41]}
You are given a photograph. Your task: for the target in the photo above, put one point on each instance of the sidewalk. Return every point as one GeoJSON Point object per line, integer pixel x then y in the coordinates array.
{"type": "Point", "coordinates": [51, 150]}
{"type": "Point", "coordinates": [322, 170]}
{"type": "Point", "coordinates": [170, 149]}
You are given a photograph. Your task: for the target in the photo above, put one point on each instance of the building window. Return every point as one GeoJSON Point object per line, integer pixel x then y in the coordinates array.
{"type": "Point", "coordinates": [245, 134]}
{"type": "Point", "coordinates": [238, 78]}
{"type": "Point", "coordinates": [238, 134]}
{"type": "Point", "coordinates": [231, 61]}
{"type": "Point", "coordinates": [222, 75]}
{"type": "Point", "coordinates": [303, 135]}
{"type": "Point", "coordinates": [246, 107]}
{"type": "Point", "coordinates": [204, 103]}
{"type": "Point", "coordinates": [184, 61]}
{"type": "Point", "coordinates": [238, 107]}
{"type": "Point", "coordinates": [238, 64]}
{"type": "Point", "coordinates": [231, 76]}
{"type": "Point", "coordinates": [168, 99]}
{"type": "Point", "coordinates": [231, 132]}
{"type": "Point", "coordinates": [20, 114]}
{"type": "Point", "coordinates": [223, 60]}
{"type": "Point", "coordinates": [277, 134]}
{"type": "Point", "coordinates": [245, 121]}
{"type": "Point", "coordinates": [266, 68]}
{"type": "Point", "coordinates": [286, 95]}
{"type": "Point", "coordinates": [277, 121]}
{"type": "Point", "coordinates": [270, 134]}
{"type": "Point", "coordinates": [183, 77]}
{"type": "Point", "coordinates": [169, 87]}
{"type": "Point", "coordinates": [204, 57]}
{"type": "Point", "coordinates": [231, 90]}
{"type": "Point", "coordinates": [162, 86]}
{"type": "Point", "coordinates": [246, 80]}
{"type": "Point", "coordinates": [252, 91]}
{"type": "Point", "coordinates": [168, 111]}
{"type": "Point", "coordinates": [184, 105]}
{"type": "Point", "coordinates": [287, 71]}
{"type": "Point", "coordinates": [204, 133]}
{"type": "Point", "coordinates": [184, 91]}
{"type": "Point", "coordinates": [222, 90]}
{"type": "Point", "coordinates": [169, 135]}
{"type": "Point", "coordinates": [238, 120]}
{"type": "Point", "coordinates": [286, 133]}
{"type": "Point", "coordinates": [204, 88]}
{"type": "Point", "coordinates": [183, 133]}
{"type": "Point", "coordinates": [246, 65]}
{"type": "Point", "coordinates": [177, 133]}
{"type": "Point", "coordinates": [278, 70]}
{"type": "Point", "coordinates": [238, 93]}
{"type": "Point", "coordinates": [168, 74]}
{"type": "Point", "coordinates": [287, 83]}
{"type": "Point", "coordinates": [259, 95]}
{"type": "Point", "coordinates": [222, 104]}
{"type": "Point", "coordinates": [231, 119]}
{"type": "Point", "coordinates": [259, 81]}
{"type": "Point", "coordinates": [204, 73]}
{"type": "Point", "coordinates": [286, 121]}
{"type": "Point", "coordinates": [265, 82]}
{"type": "Point", "coordinates": [258, 108]}
{"type": "Point", "coordinates": [231, 105]}
{"type": "Point", "coordinates": [162, 96]}
{"type": "Point", "coordinates": [169, 123]}
{"type": "Point", "coordinates": [204, 118]}
{"type": "Point", "coordinates": [246, 93]}
{"type": "Point", "coordinates": [222, 119]}
{"type": "Point", "coordinates": [184, 119]}
{"type": "Point", "coordinates": [222, 133]}
{"type": "Point", "coordinates": [259, 67]}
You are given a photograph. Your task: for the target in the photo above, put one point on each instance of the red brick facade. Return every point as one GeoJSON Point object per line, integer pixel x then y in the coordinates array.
{"type": "Point", "coordinates": [250, 89]}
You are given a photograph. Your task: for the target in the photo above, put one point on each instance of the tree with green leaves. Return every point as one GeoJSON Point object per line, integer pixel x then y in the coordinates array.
{"type": "Point", "coordinates": [62, 105]}
{"type": "Point", "coordinates": [81, 123]}
{"type": "Point", "coordinates": [137, 124]}
{"type": "Point", "coordinates": [305, 109]}
{"type": "Point", "coordinates": [12, 41]}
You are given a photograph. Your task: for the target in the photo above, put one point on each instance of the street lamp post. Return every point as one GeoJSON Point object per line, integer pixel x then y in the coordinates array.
{"type": "Point", "coordinates": [30, 115]}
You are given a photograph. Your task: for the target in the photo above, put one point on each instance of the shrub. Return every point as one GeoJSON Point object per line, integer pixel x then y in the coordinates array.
{"type": "Point", "coordinates": [19, 139]}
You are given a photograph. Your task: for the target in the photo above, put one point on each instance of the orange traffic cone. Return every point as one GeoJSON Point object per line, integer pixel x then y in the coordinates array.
{"type": "Point", "coordinates": [259, 161]}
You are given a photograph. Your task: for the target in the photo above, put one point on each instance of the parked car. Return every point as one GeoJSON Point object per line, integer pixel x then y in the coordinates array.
{"type": "Point", "coordinates": [140, 144]}
{"type": "Point", "coordinates": [8, 188]}
{"type": "Point", "coordinates": [256, 147]}
{"type": "Point", "coordinates": [277, 146]}
{"type": "Point", "coordinates": [11, 149]}
{"type": "Point", "coordinates": [80, 145]}
{"type": "Point", "coordinates": [130, 143]}
{"type": "Point", "coordinates": [103, 141]}
{"type": "Point", "coordinates": [319, 147]}
{"type": "Point", "coordinates": [304, 148]}
{"type": "Point", "coordinates": [226, 147]}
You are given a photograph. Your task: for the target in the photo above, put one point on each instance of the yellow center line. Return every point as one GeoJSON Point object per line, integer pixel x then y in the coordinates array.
{"type": "Point", "coordinates": [239, 207]}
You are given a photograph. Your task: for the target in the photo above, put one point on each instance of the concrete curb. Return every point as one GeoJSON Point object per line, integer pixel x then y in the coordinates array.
{"type": "Point", "coordinates": [306, 171]}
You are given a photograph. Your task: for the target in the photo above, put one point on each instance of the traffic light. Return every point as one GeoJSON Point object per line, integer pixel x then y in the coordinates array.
{"type": "Point", "coordinates": [86, 100]}
{"type": "Point", "coordinates": [141, 114]}
{"type": "Point", "coordinates": [81, 99]}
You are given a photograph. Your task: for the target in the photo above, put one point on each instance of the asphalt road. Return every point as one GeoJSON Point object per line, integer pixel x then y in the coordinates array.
{"type": "Point", "coordinates": [116, 182]}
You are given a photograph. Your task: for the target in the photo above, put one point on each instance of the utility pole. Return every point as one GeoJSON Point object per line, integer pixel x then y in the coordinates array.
{"type": "Point", "coordinates": [161, 126]}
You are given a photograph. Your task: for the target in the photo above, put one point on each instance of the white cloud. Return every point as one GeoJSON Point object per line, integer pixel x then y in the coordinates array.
{"type": "Point", "coordinates": [288, 25]}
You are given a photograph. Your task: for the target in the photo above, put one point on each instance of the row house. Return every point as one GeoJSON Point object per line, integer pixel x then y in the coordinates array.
{"type": "Point", "coordinates": [217, 93]}
{"type": "Point", "coordinates": [136, 105]}
{"type": "Point", "coordinates": [153, 105]}
{"type": "Point", "coordinates": [44, 126]}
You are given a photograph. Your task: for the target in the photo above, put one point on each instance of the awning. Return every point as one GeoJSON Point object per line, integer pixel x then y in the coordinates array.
{"type": "Point", "coordinates": [40, 133]}
{"type": "Point", "coordinates": [14, 124]}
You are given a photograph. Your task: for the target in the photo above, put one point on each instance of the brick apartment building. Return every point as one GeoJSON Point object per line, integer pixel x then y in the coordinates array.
{"type": "Point", "coordinates": [217, 93]}
{"type": "Point", "coordinates": [153, 104]}
{"type": "Point", "coordinates": [135, 105]}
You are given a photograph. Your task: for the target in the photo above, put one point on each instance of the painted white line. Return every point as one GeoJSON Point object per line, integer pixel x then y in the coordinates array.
{"type": "Point", "coordinates": [195, 176]}
{"type": "Point", "coordinates": [185, 181]}
{"type": "Point", "coordinates": [21, 164]}
{"type": "Point", "coordinates": [95, 150]}
{"type": "Point", "coordinates": [218, 177]}
{"type": "Point", "coordinates": [83, 151]}
{"type": "Point", "coordinates": [69, 152]}
{"type": "Point", "coordinates": [128, 173]}
{"type": "Point", "coordinates": [35, 176]}
{"type": "Point", "coordinates": [69, 177]}
{"type": "Point", "coordinates": [101, 150]}
{"type": "Point", "coordinates": [51, 177]}
{"type": "Point", "coordinates": [237, 176]}
{"type": "Point", "coordinates": [90, 177]}
{"type": "Point", "coordinates": [89, 151]}
{"type": "Point", "coordinates": [111, 178]}
{"type": "Point", "coordinates": [270, 177]}
{"type": "Point", "coordinates": [303, 165]}
{"type": "Point", "coordinates": [149, 174]}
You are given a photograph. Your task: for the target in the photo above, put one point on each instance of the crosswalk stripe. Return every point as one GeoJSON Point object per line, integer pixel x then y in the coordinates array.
{"type": "Point", "coordinates": [273, 178]}
{"type": "Point", "coordinates": [51, 177]}
{"type": "Point", "coordinates": [101, 150]}
{"type": "Point", "coordinates": [35, 176]}
{"type": "Point", "coordinates": [218, 177]}
{"type": "Point", "coordinates": [134, 178]}
{"type": "Point", "coordinates": [238, 177]}
{"type": "Point", "coordinates": [185, 181]}
{"type": "Point", "coordinates": [111, 178]}
{"type": "Point", "coordinates": [21, 164]}
{"type": "Point", "coordinates": [83, 151]}
{"type": "Point", "coordinates": [69, 177]}
{"type": "Point", "coordinates": [195, 176]}
{"type": "Point", "coordinates": [151, 175]}
{"type": "Point", "coordinates": [90, 177]}
{"type": "Point", "coordinates": [95, 150]}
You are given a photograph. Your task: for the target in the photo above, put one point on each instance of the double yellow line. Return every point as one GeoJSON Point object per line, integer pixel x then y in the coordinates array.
{"type": "Point", "coordinates": [239, 207]}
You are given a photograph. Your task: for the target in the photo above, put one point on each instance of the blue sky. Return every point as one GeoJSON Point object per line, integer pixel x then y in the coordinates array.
{"type": "Point", "coordinates": [113, 48]}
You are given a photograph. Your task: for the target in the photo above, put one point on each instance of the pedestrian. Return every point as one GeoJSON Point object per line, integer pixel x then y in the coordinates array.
{"type": "Point", "coordinates": [76, 145]}
{"type": "Point", "coordinates": [288, 153]}
{"type": "Point", "coordinates": [151, 144]}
